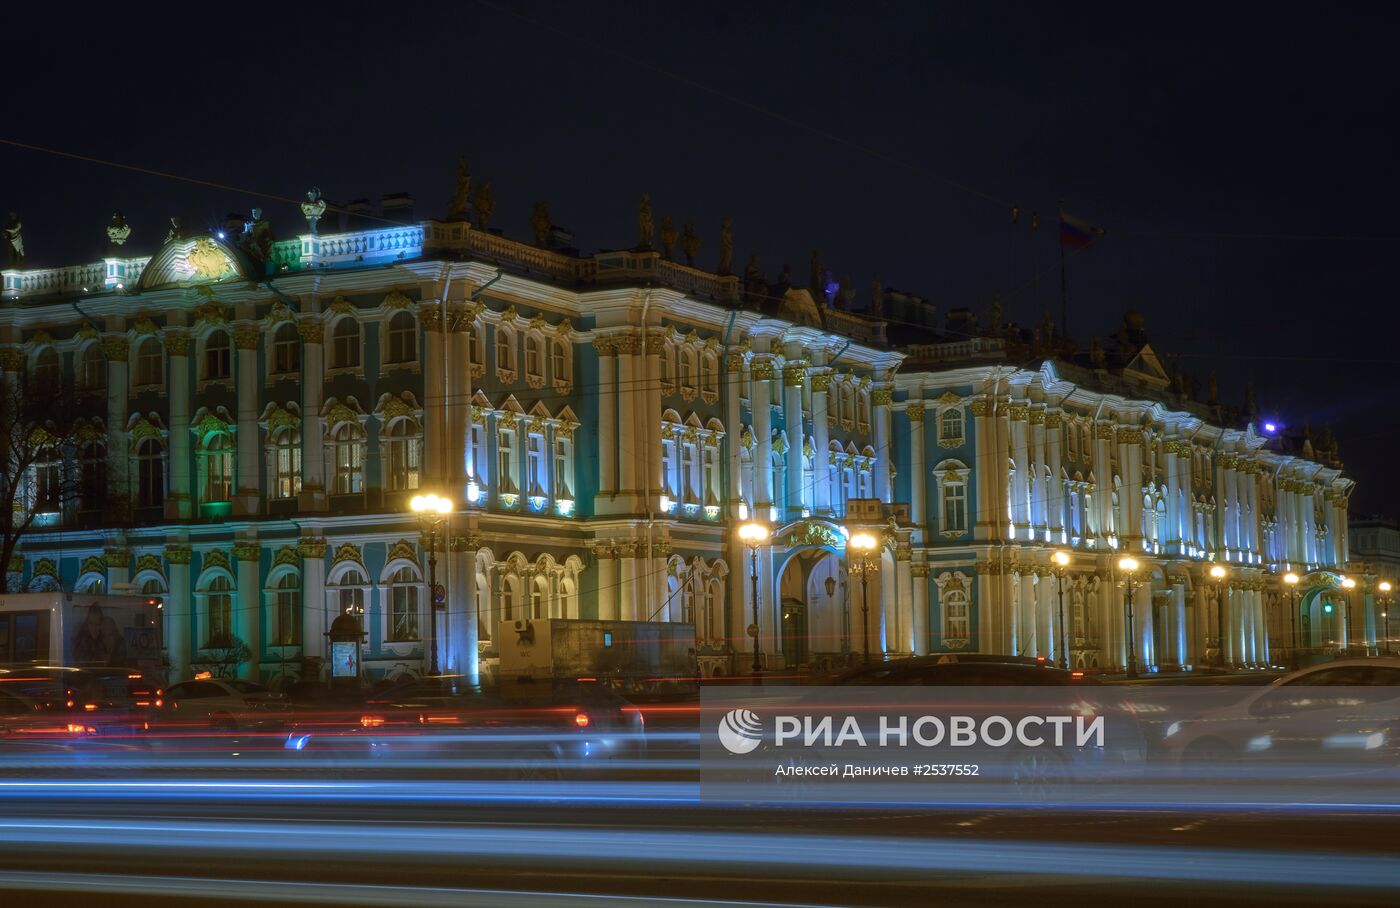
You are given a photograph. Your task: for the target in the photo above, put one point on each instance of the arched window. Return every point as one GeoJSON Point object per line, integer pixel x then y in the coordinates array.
{"type": "Point", "coordinates": [150, 363]}
{"type": "Point", "coordinates": [540, 606]}
{"type": "Point", "coordinates": [218, 612]}
{"type": "Point", "coordinates": [92, 368]}
{"type": "Point", "coordinates": [404, 589]}
{"type": "Point", "coordinates": [686, 376]}
{"type": "Point", "coordinates": [48, 480]}
{"type": "Point", "coordinates": [349, 454]}
{"type": "Point", "coordinates": [218, 356]}
{"type": "Point", "coordinates": [345, 344]}
{"type": "Point", "coordinates": [286, 462]}
{"type": "Point", "coordinates": [403, 454]}
{"type": "Point", "coordinates": [402, 338]}
{"type": "Point", "coordinates": [92, 474]}
{"type": "Point", "coordinates": [950, 427]}
{"type": "Point", "coordinates": [350, 592]}
{"type": "Point", "coordinates": [534, 357]}
{"type": "Point", "coordinates": [505, 349]}
{"type": "Point", "coordinates": [287, 595]}
{"type": "Point", "coordinates": [150, 474]}
{"type": "Point", "coordinates": [48, 371]}
{"type": "Point", "coordinates": [955, 615]}
{"type": "Point", "coordinates": [218, 468]}
{"type": "Point", "coordinates": [559, 362]}
{"type": "Point", "coordinates": [286, 350]}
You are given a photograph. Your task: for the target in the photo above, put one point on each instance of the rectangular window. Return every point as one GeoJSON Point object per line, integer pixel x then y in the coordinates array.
{"type": "Point", "coordinates": [954, 507]}
{"type": "Point", "coordinates": [403, 614]}
{"type": "Point", "coordinates": [563, 481]}
{"type": "Point", "coordinates": [505, 445]}
{"type": "Point", "coordinates": [286, 353]}
{"type": "Point", "coordinates": [536, 468]}
{"type": "Point", "coordinates": [288, 617]}
{"type": "Point", "coordinates": [220, 619]}
{"type": "Point", "coordinates": [951, 428]}
{"type": "Point", "coordinates": [955, 624]}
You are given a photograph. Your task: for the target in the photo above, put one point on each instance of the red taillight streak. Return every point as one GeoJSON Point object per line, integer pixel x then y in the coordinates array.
{"type": "Point", "coordinates": [581, 720]}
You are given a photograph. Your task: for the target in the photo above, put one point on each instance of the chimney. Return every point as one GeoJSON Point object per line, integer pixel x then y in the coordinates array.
{"type": "Point", "coordinates": [359, 215]}
{"type": "Point", "coordinates": [396, 207]}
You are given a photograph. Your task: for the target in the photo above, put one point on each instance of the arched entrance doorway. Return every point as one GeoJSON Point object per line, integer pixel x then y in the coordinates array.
{"type": "Point", "coordinates": [812, 592]}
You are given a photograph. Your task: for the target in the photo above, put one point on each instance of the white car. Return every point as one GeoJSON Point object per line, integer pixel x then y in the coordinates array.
{"type": "Point", "coordinates": [224, 704]}
{"type": "Point", "coordinates": [1340, 716]}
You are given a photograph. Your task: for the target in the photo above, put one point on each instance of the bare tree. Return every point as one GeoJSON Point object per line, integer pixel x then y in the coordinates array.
{"type": "Point", "coordinates": [39, 475]}
{"type": "Point", "coordinates": [222, 661]}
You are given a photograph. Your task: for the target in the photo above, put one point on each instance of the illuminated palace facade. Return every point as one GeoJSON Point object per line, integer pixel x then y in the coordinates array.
{"type": "Point", "coordinates": [251, 434]}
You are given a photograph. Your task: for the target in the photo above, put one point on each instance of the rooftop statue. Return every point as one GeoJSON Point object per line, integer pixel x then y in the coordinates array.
{"type": "Point", "coordinates": [541, 222]}
{"type": "Point", "coordinates": [726, 246]}
{"type": "Point", "coordinates": [669, 235]}
{"type": "Point", "coordinates": [313, 208]}
{"type": "Point", "coordinates": [14, 238]}
{"type": "Point", "coordinates": [690, 244]}
{"type": "Point", "coordinates": [644, 227]}
{"type": "Point", "coordinates": [461, 195]}
{"type": "Point", "coordinates": [257, 236]}
{"type": "Point", "coordinates": [485, 204]}
{"type": "Point", "coordinates": [118, 230]}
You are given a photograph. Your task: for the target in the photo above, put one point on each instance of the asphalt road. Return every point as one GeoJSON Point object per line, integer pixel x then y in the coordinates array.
{"type": "Point", "coordinates": [222, 840]}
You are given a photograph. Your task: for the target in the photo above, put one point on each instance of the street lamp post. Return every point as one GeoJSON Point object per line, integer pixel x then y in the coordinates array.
{"type": "Point", "coordinates": [1348, 584]}
{"type": "Point", "coordinates": [1386, 603]}
{"type": "Point", "coordinates": [1292, 580]}
{"type": "Point", "coordinates": [432, 510]}
{"type": "Point", "coordinates": [1061, 559]}
{"type": "Point", "coordinates": [1217, 573]}
{"type": "Point", "coordinates": [753, 535]}
{"type": "Point", "coordinates": [862, 544]}
{"type": "Point", "coordinates": [1129, 565]}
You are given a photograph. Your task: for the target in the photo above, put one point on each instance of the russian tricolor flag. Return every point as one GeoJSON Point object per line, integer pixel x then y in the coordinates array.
{"type": "Point", "coordinates": [1076, 233]}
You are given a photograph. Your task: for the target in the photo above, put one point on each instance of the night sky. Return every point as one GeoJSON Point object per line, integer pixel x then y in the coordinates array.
{"type": "Point", "coordinates": [1242, 160]}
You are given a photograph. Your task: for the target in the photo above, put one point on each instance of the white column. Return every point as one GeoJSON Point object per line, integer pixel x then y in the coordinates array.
{"type": "Point", "coordinates": [919, 575]}
{"type": "Point", "coordinates": [628, 419]}
{"type": "Point", "coordinates": [313, 451]}
{"type": "Point", "coordinates": [628, 588]}
{"type": "Point", "coordinates": [179, 610]}
{"type": "Point", "coordinates": [1173, 528]}
{"type": "Point", "coordinates": [1176, 625]}
{"type": "Point", "coordinates": [118, 452]}
{"type": "Point", "coordinates": [459, 409]}
{"type": "Point", "coordinates": [435, 394]}
{"type": "Point", "coordinates": [794, 375]}
{"type": "Point", "coordinates": [984, 471]}
{"type": "Point", "coordinates": [1132, 486]}
{"type": "Point", "coordinates": [1025, 641]}
{"type": "Point", "coordinates": [607, 583]}
{"type": "Point", "coordinates": [1040, 504]}
{"type": "Point", "coordinates": [247, 500]}
{"type": "Point", "coordinates": [179, 504]}
{"type": "Point", "coordinates": [734, 381]}
{"type": "Point", "coordinates": [649, 416]}
{"type": "Point", "coordinates": [821, 440]}
{"type": "Point", "coordinates": [248, 618]}
{"type": "Point", "coordinates": [463, 626]}
{"type": "Point", "coordinates": [761, 372]}
{"type": "Point", "coordinates": [918, 480]}
{"type": "Point", "coordinates": [1054, 439]}
{"type": "Point", "coordinates": [1103, 475]}
{"type": "Point", "coordinates": [1020, 484]}
{"type": "Point", "coordinates": [607, 415]}
{"type": "Point", "coordinates": [880, 399]}
{"type": "Point", "coordinates": [1047, 639]}
{"type": "Point", "coordinates": [314, 625]}
{"type": "Point", "coordinates": [905, 639]}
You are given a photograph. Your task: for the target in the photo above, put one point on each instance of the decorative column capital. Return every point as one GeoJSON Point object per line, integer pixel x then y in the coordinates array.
{"type": "Point", "coordinates": [916, 412]}
{"type": "Point", "coordinates": [311, 329]}
{"type": "Point", "coordinates": [761, 368]}
{"type": "Point", "coordinates": [655, 344]}
{"type": "Point", "coordinates": [245, 336]}
{"type": "Point", "coordinates": [821, 382]}
{"type": "Point", "coordinates": [605, 346]}
{"type": "Point", "coordinates": [246, 551]}
{"type": "Point", "coordinates": [1054, 419]}
{"type": "Point", "coordinates": [177, 342]}
{"type": "Point", "coordinates": [1018, 412]}
{"type": "Point", "coordinates": [881, 397]}
{"type": "Point", "coordinates": [179, 554]}
{"type": "Point", "coordinates": [312, 548]}
{"type": "Point", "coordinates": [115, 348]}
{"type": "Point", "coordinates": [794, 374]}
{"type": "Point", "coordinates": [735, 362]}
{"type": "Point", "coordinates": [981, 407]}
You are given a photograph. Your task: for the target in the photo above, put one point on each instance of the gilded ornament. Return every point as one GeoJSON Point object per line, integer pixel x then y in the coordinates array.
{"type": "Point", "coordinates": [46, 567]}
{"type": "Point", "coordinates": [11, 360]}
{"type": "Point", "coordinates": [93, 564]}
{"type": "Point", "coordinates": [402, 550]}
{"type": "Point", "coordinates": [217, 558]}
{"type": "Point", "coordinates": [795, 374]}
{"type": "Point", "coordinates": [347, 552]}
{"type": "Point", "coordinates": [207, 262]}
{"type": "Point", "coordinates": [916, 412]}
{"type": "Point", "coordinates": [286, 555]}
{"type": "Point", "coordinates": [396, 300]}
{"type": "Point", "coordinates": [246, 551]}
{"type": "Point", "coordinates": [177, 343]}
{"type": "Point", "coordinates": [311, 548]}
{"type": "Point", "coordinates": [981, 407]}
{"type": "Point", "coordinates": [245, 336]}
{"type": "Point", "coordinates": [115, 349]}
{"type": "Point", "coordinates": [821, 382]}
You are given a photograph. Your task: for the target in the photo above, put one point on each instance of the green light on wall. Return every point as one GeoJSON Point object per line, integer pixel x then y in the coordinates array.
{"type": "Point", "coordinates": [216, 509]}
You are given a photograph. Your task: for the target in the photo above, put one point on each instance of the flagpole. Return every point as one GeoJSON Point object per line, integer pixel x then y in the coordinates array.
{"type": "Point", "coordinates": [1064, 289]}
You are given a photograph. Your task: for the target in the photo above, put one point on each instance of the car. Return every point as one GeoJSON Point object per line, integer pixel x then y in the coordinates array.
{"type": "Point", "coordinates": [224, 705]}
{"type": "Point", "coordinates": [49, 712]}
{"type": "Point", "coordinates": [1325, 720]}
{"type": "Point", "coordinates": [522, 731]}
{"type": "Point", "coordinates": [975, 669]}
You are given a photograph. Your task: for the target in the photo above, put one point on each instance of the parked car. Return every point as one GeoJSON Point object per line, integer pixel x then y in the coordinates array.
{"type": "Point", "coordinates": [971, 669]}
{"type": "Point", "coordinates": [224, 705]}
{"type": "Point", "coordinates": [520, 731]}
{"type": "Point", "coordinates": [57, 711]}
